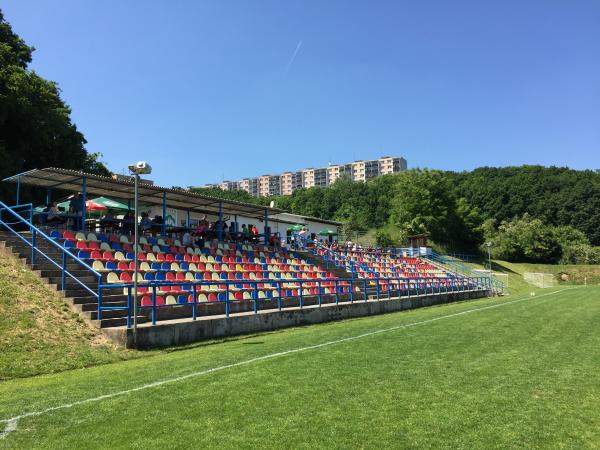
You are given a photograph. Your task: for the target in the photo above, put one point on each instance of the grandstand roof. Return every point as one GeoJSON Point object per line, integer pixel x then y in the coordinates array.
{"type": "Point", "coordinates": [71, 180]}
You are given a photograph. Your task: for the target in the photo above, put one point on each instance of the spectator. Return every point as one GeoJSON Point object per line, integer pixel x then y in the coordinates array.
{"type": "Point", "coordinates": [145, 223]}
{"type": "Point", "coordinates": [186, 240]}
{"type": "Point", "coordinates": [245, 233]}
{"type": "Point", "coordinates": [53, 215]}
{"type": "Point", "coordinates": [128, 222]}
{"type": "Point", "coordinates": [76, 208]}
{"type": "Point", "coordinates": [254, 233]}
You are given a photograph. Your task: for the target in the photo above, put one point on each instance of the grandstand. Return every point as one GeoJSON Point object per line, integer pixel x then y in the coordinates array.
{"type": "Point", "coordinates": [188, 292]}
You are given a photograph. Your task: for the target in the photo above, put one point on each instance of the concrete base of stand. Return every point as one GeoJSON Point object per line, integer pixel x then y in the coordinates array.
{"type": "Point", "coordinates": [182, 331]}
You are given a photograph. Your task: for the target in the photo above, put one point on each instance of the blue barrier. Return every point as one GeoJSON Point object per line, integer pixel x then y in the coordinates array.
{"type": "Point", "coordinates": [404, 289]}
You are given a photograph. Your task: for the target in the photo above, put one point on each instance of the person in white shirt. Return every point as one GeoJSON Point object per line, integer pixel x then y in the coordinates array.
{"type": "Point", "coordinates": [186, 240]}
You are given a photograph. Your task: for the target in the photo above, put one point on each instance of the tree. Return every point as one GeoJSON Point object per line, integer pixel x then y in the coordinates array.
{"type": "Point", "coordinates": [525, 239]}
{"type": "Point", "coordinates": [35, 125]}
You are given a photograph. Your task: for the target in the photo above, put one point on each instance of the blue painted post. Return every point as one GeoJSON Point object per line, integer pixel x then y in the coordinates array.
{"type": "Point", "coordinates": [83, 201]}
{"type": "Point", "coordinates": [195, 297]}
{"type": "Point", "coordinates": [255, 297]}
{"type": "Point", "coordinates": [129, 307]}
{"type": "Point", "coordinates": [227, 300]}
{"type": "Point", "coordinates": [153, 304]}
{"type": "Point", "coordinates": [266, 233]}
{"type": "Point", "coordinates": [99, 297]}
{"type": "Point", "coordinates": [220, 221]}
{"type": "Point", "coordinates": [164, 215]}
{"type": "Point", "coordinates": [365, 289]}
{"type": "Point", "coordinates": [64, 267]}
{"type": "Point", "coordinates": [319, 291]}
{"type": "Point", "coordinates": [33, 249]}
{"type": "Point", "coordinates": [18, 189]}
{"type": "Point", "coordinates": [279, 296]}
{"type": "Point", "coordinates": [301, 296]}
{"type": "Point", "coordinates": [377, 287]}
{"type": "Point", "coordinates": [337, 292]}
{"type": "Point", "coordinates": [389, 289]}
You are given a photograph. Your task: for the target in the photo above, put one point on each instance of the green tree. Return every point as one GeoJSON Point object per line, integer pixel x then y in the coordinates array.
{"type": "Point", "coordinates": [35, 126]}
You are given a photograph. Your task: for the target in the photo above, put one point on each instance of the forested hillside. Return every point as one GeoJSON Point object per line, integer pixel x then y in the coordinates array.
{"type": "Point", "coordinates": [550, 208]}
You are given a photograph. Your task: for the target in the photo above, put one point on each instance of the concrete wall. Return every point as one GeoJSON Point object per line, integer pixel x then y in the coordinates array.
{"type": "Point", "coordinates": [186, 331]}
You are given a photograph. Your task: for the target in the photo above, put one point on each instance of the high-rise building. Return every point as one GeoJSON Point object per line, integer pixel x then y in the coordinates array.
{"type": "Point", "coordinates": [288, 182]}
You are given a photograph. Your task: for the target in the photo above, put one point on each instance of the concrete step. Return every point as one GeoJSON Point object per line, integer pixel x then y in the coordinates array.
{"type": "Point", "coordinates": [118, 321]}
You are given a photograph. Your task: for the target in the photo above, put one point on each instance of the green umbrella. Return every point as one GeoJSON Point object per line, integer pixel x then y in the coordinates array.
{"type": "Point", "coordinates": [327, 232]}
{"type": "Point", "coordinates": [296, 227]}
{"type": "Point", "coordinates": [111, 204]}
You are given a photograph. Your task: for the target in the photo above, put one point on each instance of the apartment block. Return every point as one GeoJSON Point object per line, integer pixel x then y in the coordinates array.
{"type": "Point", "coordinates": [288, 182]}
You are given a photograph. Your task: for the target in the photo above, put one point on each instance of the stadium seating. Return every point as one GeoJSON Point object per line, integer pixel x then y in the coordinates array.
{"type": "Point", "coordinates": [228, 270]}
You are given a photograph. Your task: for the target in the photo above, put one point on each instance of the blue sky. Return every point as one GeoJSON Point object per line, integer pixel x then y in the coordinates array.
{"type": "Point", "coordinates": [203, 90]}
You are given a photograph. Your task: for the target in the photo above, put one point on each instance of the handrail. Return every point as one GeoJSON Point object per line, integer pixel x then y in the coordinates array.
{"type": "Point", "coordinates": [35, 232]}
{"type": "Point", "coordinates": [336, 256]}
{"type": "Point", "coordinates": [429, 285]}
{"type": "Point", "coordinates": [464, 270]}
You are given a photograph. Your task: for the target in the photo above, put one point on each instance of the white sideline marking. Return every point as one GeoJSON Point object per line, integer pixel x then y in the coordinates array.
{"type": "Point", "coordinates": [11, 424]}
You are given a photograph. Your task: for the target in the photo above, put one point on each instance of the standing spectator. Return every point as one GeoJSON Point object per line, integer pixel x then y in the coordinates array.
{"type": "Point", "coordinates": [245, 233]}
{"type": "Point", "coordinates": [145, 223]}
{"type": "Point", "coordinates": [76, 209]}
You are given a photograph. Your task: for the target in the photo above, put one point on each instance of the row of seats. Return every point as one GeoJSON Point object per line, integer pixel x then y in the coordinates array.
{"type": "Point", "coordinates": [159, 241]}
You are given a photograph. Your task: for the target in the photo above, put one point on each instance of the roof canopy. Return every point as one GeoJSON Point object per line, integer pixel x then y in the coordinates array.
{"type": "Point", "coordinates": [71, 180]}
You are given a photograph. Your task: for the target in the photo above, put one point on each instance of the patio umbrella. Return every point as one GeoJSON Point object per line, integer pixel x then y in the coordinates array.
{"type": "Point", "coordinates": [111, 204]}
{"type": "Point", "coordinates": [90, 205]}
{"type": "Point", "coordinates": [327, 232]}
{"type": "Point", "coordinates": [296, 227]}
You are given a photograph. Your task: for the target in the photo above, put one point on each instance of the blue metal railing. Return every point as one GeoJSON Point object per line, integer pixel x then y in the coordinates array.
{"type": "Point", "coordinates": [392, 288]}
{"type": "Point", "coordinates": [36, 236]}
{"type": "Point", "coordinates": [333, 256]}
{"type": "Point", "coordinates": [458, 267]}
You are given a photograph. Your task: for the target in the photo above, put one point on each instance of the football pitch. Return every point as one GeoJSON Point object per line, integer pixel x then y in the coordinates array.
{"type": "Point", "coordinates": [515, 372]}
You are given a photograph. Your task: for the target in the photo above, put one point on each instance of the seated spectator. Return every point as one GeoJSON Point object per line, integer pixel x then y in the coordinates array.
{"type": "Point", "coordinates": [128, 222]}
{"type": "Point", "coordinates": [186, 240]}
{"type": "Point", "coordinates": [108, 222]}
{"type": "Point", "coordinates": [52, 215]}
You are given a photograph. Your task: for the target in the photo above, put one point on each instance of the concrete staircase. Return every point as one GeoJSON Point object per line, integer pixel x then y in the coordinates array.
{"type": "Point", "coordinates": [76, 296]}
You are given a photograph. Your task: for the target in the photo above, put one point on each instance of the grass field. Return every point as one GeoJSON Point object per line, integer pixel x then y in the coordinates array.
{"type": "Point", "coordinates": [516, 372]}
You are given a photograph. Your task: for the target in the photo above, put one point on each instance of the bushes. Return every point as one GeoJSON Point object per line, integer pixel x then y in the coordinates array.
{"type": "Point", "coordinates": [526, 239]}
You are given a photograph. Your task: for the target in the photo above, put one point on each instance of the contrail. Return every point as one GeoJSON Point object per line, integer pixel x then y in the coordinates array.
{"type": "Point", "coordinates": [293, 56]}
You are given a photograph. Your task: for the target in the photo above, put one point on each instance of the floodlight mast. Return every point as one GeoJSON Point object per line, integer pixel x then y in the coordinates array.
{"type": "Point", "coordinates": [141, 167]}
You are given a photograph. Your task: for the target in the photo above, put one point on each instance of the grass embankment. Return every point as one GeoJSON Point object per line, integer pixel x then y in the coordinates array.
{"type": "Point", "coordinates": [38, 331]}
{"type": "Point", "coordinates": [521, 374]}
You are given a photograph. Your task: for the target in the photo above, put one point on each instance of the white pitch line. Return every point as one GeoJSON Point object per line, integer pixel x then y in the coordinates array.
{"type": "Point", "coordinates": [11, 424]}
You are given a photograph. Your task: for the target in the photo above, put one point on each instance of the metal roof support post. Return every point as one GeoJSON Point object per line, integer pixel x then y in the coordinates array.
{"type": "Point", "coordinates": [235, 228]}
{"type": "Point", "coordinates": [220, 221]}
{"type": "Point", "coordinates": [48, 195]}
{"type": "Point", "coordinates": [187, 223]}
{"type": "Point", "coordinates": [266, 227]}
{"type": "Point", "coordinates": [164, 214]}
{"type": "Point", "coordinates": [83, 201]}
